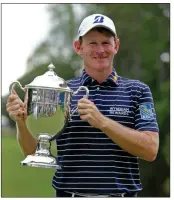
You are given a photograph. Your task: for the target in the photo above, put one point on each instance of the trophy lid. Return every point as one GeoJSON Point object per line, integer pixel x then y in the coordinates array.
{"type": "Point", "coordinates": [49, 80]}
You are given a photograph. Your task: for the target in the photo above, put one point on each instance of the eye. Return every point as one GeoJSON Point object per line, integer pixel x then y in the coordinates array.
{"type": "Point", "coordinates": [92, 43]}
{"type": "Point", "coordinates": [106, 42]}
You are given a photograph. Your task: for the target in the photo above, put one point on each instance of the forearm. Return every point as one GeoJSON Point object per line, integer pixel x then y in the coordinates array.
{"type": "Point", "coordinates": [26, 140]}
{"type": "Point", "coordinates": [138, 143]}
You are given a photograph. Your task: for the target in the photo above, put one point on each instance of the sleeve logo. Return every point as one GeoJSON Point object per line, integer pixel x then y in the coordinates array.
{"type": "Point", "coordinates": [146, 111]}
{"type": "Point", "coordinates": [98, 19]}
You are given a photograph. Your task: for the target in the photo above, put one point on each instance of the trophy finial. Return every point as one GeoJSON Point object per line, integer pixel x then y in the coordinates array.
{"type": "Point", "coordinates": [51, 67]}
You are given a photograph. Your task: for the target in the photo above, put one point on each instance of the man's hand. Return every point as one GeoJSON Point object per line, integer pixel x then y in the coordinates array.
{"type": "Point", "coordinates": [15, 107]}
{"type": "Point", "coordinates": [89, 112]}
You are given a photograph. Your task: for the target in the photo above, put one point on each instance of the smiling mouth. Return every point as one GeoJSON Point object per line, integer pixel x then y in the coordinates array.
{"type": "Point", "coordinates": [99, 58]}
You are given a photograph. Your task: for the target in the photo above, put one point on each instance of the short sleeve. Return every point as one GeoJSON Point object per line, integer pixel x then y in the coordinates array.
{"type": "Point", "coordinates": [145, 115]}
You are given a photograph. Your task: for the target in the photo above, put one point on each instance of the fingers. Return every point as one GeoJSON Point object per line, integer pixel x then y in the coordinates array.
{"type": "Point", "coordinates": [15, 107]}
{"type": "Point", "coordinates": [85, 103]}
{"type": "Point", "coordinates": [17, 113]}
{"type": "Point", "coordinates": [84, 100]}
{"type": "Point", "coordinates": [15, 102]}
{"type": "Point", "coordinates": [25, 111]}
{"type": "Point", "coordinates": [11, 108]}
{"type": "Point", "coordinates": [13, 92]}
{"type": "Point", "coordinates": [85, 106]}
{"type": "Point", "coordinates": [85, 117]}
{"type": "Point", "coordinates": [84, 111]}
{"type": "Point", "coordinates": [13, 96]}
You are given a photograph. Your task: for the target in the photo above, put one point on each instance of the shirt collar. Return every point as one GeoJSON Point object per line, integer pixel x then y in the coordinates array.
{"type": "Point", "coordinates": [85, 78]}
{"type": "Point", "coordinates": [113, 77]}
{"type": "Point", "coordinates": [88, 80]}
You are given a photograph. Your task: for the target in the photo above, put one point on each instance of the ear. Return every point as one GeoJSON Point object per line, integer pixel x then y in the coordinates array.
{"type": "Point", "coordinates": [117, 45]}
{"type": "Point", "coordinates": [77, 47]}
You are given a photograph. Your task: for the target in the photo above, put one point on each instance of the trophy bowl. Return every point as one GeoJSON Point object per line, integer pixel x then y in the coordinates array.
{"type": "Point", "coordinates": [48, 100]}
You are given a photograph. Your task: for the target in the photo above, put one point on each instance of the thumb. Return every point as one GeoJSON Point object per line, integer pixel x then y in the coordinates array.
{"type": "Point", "coordinates": [13, 91]}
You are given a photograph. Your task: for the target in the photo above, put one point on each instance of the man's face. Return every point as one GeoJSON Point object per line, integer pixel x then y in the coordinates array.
{"type": "Point", "coordinates": [98, 50]}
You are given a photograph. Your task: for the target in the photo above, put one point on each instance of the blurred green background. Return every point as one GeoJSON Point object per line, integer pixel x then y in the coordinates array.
{"type": "Point", "coordinates": [144, 32]}
{"type": "Point", "coordinates": [21, 181]}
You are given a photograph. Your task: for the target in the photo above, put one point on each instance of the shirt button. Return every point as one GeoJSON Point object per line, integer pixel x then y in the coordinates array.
{"type": "Point", "coordinates": [98, 89]}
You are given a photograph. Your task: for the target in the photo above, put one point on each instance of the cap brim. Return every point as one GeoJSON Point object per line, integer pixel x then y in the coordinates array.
{"type": "Point", "coordinates": [96, 25]}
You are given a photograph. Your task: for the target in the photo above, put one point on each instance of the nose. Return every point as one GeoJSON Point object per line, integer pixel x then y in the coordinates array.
{"type": "Point", "coordinates": [100, 48]}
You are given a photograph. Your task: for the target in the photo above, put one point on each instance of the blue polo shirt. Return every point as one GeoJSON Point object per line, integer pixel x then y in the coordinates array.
{"type": "Point", "coordinates": [92, 162]}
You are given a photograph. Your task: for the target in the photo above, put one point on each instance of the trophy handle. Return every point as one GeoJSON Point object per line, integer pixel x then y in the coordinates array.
{"type": "Point", "coordinates": [16, 83]}
{"type": "Point", "coordinates": [85, 96]}
{"type": "Point", "coordinates": [12, 86]}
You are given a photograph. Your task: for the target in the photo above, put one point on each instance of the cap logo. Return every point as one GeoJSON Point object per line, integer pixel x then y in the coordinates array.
{"type": "Point", "coordinates": [98, 19]}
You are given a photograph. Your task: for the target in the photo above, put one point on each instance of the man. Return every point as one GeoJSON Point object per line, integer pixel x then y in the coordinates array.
{"type": "Point", "coordinates": [100, 147]}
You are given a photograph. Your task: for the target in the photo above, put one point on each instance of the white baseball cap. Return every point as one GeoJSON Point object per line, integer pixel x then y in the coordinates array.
{"type": "Point", "coordinates": [96, 20]}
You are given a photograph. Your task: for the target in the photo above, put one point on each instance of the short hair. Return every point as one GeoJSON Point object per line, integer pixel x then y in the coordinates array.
{"type": "Point", "coordinates": [102, 30]}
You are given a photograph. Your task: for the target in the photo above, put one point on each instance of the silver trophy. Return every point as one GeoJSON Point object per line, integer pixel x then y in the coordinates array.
{"type": "Point", "coordinates": [48, 100]}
